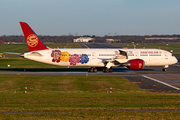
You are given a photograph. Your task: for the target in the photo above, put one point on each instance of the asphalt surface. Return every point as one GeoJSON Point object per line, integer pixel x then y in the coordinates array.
{"type": "Point", "coordinates": [152, 79]}
{"type": "Point", "coordinates": [98, 45]}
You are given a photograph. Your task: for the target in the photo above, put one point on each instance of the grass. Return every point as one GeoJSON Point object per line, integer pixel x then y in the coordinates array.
{"type": "Point", "coordinates": [21, 48]}
{"type": "Point", "coordinates": [166, 46]}
{"type": "Point", "coordinates": [23, 63]}
{"type": "Point", "coordinates": [99, 115]}
{"type": "Point", "coordinates": [59, 83]}
{"type": "Point", "coordinates": [60, 93]}
{"type": "Point", "coordinates": [64, 45]}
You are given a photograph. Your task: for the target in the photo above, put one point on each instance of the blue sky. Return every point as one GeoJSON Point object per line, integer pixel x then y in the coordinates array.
{"type": "Point", "coordinates": [91, 17]}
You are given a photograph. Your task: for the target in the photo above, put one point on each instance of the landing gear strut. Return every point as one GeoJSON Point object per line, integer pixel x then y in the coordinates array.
{"type": "Point", "coordinates": [92, 70]}
{"type": "Point", "coordinates": [165, 68]}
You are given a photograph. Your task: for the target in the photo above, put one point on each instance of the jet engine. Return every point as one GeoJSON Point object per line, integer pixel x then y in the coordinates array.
{"type": "Point", "coordinates": [135, 64]}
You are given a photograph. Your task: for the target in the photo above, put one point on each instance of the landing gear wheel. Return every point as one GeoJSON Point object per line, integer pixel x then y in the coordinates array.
{"type": "Point", "coordinates": [95, 70]}
{"type": "Point", "coordinates": [107, 70]}
{"type": "Point", "coordinates": [92, 70]}
{"type": "Point", "coordinates": [110, 70]}
{"type": "Point", "coordinates": [164, 69]}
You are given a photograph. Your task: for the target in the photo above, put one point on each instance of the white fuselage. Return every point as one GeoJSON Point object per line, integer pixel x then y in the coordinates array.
{"type": "Point", "coordinates": [96, 57]}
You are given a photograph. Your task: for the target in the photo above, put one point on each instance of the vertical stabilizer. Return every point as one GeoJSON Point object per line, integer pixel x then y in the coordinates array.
{"type": "Point", "coordinates": [33, 41]}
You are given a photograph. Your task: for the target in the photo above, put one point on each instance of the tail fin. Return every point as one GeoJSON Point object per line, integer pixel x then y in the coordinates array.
{"type": "Point", "coordinates": [33, 41]}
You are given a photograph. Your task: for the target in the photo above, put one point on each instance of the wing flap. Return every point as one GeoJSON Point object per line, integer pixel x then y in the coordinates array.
{"type": "Point", "coordinates": [121, 60]}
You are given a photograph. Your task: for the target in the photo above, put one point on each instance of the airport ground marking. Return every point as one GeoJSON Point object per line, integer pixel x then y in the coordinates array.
{"type": "Point", "coordinates": [161, 82]}
{"type": "Point", "coordinates": [85, 45]}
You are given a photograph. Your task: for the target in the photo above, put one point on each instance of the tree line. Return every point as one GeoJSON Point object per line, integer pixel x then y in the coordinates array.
{"type": "Point", "coordinates": [101, 39]}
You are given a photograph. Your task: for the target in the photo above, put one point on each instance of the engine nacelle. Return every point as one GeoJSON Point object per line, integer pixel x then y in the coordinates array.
{"type": "Point", "coordinates": [135, 64]}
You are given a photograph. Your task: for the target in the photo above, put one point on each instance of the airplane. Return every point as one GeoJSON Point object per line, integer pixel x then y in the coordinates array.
{"type": "Point", "coordinates": [133, 59]}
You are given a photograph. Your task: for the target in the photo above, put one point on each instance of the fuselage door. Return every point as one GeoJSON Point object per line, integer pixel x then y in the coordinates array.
{"type": "Point", "coordinates": [166, 55]}
{"type": "Point", "coordinates": [93, 55]}
{"type": "Point", "coordinates": [136, 54]}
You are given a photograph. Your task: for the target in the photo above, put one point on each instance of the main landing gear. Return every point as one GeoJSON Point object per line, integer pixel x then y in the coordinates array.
{"type": "Point", "coordinates": [92, 70]}
{"type": "Point", "coordinates": [106, 70]}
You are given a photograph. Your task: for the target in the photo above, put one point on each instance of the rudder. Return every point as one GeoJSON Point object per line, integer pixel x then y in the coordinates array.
{"type": "Point", "coordinates": [33, 41]}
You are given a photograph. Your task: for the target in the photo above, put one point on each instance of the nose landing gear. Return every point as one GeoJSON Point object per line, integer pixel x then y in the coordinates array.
{"type": "Point", "coordinates": [165, 68]}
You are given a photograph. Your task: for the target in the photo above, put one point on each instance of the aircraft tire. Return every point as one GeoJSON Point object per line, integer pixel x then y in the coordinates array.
{"type": "Point", "coordinates": [110, 70]}
{"type": "Point", "coordinates": [91, 70]}
{"type": "Point", "coordinates": [164, 69]}
{"type": "Point", "coordinates": [107, 70]}
{"type": "Point", "coordinates": [95, 70]}
{"type": "Point", "coordinates": [104, 70]}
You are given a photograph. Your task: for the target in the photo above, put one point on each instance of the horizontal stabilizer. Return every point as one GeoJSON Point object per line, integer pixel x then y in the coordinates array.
{"type": "Point", "coordinates": [12, 53]}
{"type": "Point", "coordinates": [35, 54]}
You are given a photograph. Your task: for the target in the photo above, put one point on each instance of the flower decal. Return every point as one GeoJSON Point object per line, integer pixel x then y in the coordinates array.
{"type": "Point", "coordinates": [74, 59]}
{"type": "Point", "coordinates": [56, 55]}
{"type": "Point", "coordinates": [84, 59]}
{"type": "Point", "coordinates": [65, 56]}
{"type": "Point", "coordinates": [116, 52]}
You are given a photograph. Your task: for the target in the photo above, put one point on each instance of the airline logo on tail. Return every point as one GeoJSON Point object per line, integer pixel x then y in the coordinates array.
{"type": "Point", "coordinates": [32, 40]}
{"type": "Point", "coordinates": [34, 43]}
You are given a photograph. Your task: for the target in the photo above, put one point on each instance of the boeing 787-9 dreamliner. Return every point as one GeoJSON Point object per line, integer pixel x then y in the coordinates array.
{"type": "Point", "coordinates": [133, 59]}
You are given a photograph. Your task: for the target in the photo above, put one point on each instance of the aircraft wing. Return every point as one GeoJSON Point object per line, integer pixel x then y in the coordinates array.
{"type": "Point", "coordinates": [119, 59]}
{"type": "Point", "coordinates": [176, 53]}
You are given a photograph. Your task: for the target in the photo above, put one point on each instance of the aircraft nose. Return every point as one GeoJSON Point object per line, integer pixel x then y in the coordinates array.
{"type": "Point", "coordinates": [174, 60]}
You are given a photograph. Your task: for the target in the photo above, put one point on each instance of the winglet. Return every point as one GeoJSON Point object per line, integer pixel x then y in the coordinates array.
{"type": "Point", "coordinates": [33, 41]}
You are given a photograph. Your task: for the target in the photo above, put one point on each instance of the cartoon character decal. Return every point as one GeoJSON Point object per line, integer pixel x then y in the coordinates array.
{"type": "Point", "coordinates": [56, 56]}
{"type": "Point", "coordinates": [84, 59]}
{"type": "Point", "coordinates": [65, 56]}
{"type": "Point", "coordinates": [74, 59]}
